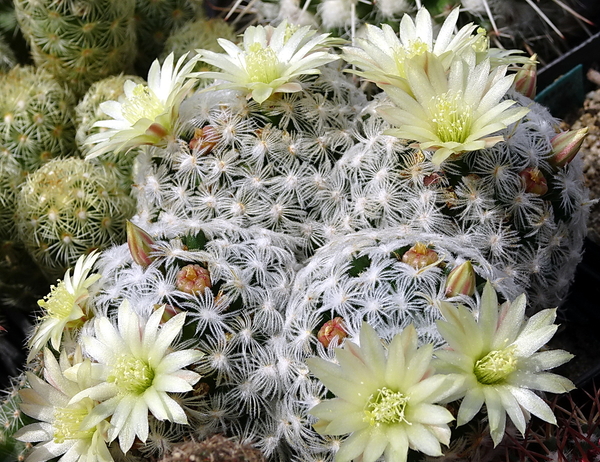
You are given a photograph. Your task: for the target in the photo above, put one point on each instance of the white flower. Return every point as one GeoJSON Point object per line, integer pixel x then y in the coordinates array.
{"type": "Point", "coordinates": [146, 114]}
{"type": "Point", "coordinates": [59, 427]}
{"type": "Point", "coordinates": [385, 400]}
{"type": "Point", "coordinates": [451, 113]}
{"type": "Point", "coordinates": [498, 356]}
{"type": "Point", "coordinates": [270, 60]}
{"type": "Point", "coordinates": [65, 306]}
{"type": "Point", "coordinates": [137, 372]}
{"type": "Point", "coordinates": [381, 54]}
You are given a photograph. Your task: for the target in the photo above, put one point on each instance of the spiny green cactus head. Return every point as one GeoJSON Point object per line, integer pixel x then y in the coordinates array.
{"type": "Point", "coordinates": [199, 34]}
{"type": "Point", "coordinates": [12, 419]}
{"type": "Point", "coordinates": [7, 57]}
{"type": "Point", "coordinates": [155, 21]}
{"type": "Point", "coordinates": [88, 112]}
{"type": "Point", "coordinates": [36, 121]}
{"type": "Point", "coordinates": [11, 175]}
{"type": "Point", "coordinates": [79, 42]}
{"type": "Point", "coordinates": [67, 208]}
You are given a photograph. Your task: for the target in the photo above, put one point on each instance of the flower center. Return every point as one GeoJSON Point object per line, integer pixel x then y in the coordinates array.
{"type": "Point", "coordinates": [262, 64]}
{"type": "Point", "coordinates": [142, 104]}
{"type": "Point", "coordinates": [452, 118]}
{"type": "Point", "coordinates": [131, 375]}
{"type": "Point", "coordinates": [494, 367]}
{"type": "Point", "coordinates": [59, 304]}
{"type": "Point", "coordinates": [67, 422]}
{"type": "Point", "coordinates": [386, 407]}
{"type": "Point", "coordinates": [401, 54]}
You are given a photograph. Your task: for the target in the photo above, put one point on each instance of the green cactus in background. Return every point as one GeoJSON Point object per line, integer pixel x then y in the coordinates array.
{"type": "Point", "coordinates": [88, 111]}
{"type": "Point", "coordinates": [199, 34]}
{"type": "Point", "coordinates": [79, 42]}
{"type": "Point", "coordinates": [7, 57]}
{"type": "Point", "coordinates": [11, 419]}
{"type": "Point", "coordinates": [155, 20]}
{"type": "Point", "coordinates": [67, 208]}
{"type": "Point", "coordinates": [36, 121]}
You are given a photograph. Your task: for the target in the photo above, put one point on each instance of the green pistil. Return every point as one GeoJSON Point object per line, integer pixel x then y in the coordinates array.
{"type": "Point", "coordinates": [386, 407]}
{"type": "Point", "coordinates": [262, 64]}
{"type": "Point", "coordinates": [142, 104]}
{"type": "Point", "coordinates": [131, 375]}
{"type": "Point", "coordinates": [496, 366]}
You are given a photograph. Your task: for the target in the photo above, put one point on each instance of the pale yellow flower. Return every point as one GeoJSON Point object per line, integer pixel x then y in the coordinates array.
{"type": "Point", "coordinates": [58, 430]}
{"type": "Point", "coordinates": [497, 354]}
{"type": "Point", "coordinates": [146, 114]}
{"type": "Point", "coordinates": [451, 113]}
{"type": "Point", "coordinates": [269, 60]}
{"type": "Point", "coordinates": [65, 306]}
{"type": "Point", "coordinates": [137, 372]}
{"type": "Point", "coordinates": [385, 398]}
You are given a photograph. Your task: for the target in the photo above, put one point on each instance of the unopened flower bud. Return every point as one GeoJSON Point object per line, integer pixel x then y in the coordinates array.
{"type": "Point", "coordinates": [526, 78]}
{"type": "Point", "coordinates": [170, 312]}
{"type": "Point", "coordinates": [193, 279]}
{"type": "Point", "coordinates": [566, 145]}
{"type": "Point", "coordinates": [140, 244]}
{"type": "Point", "coordinates": [205, 139]}
{"type": "Point", "coordinates": [331, 329]}
{"type": "Point", "coordinates": [534, 181]}
{"type": "Point", "coordinates": [420, 256]}
{"type": "Point", "coordinates": [461, 280]}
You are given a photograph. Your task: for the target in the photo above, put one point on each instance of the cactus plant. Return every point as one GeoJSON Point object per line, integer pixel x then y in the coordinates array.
{"type": "Point", "coordinates": [37, 119]}
{"type": "Point", "coordinates": [82, 42]}
{"type": "Point", "coordinates": [69, 207]}
{"type": "Point", "coordinates": [7, 57]}
{"type": "Point", "coordinates": [155, 21]}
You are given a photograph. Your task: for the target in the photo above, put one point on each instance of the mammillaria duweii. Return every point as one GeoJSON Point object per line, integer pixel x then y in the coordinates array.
{"type": "Point", "coordinates": [280, 213]}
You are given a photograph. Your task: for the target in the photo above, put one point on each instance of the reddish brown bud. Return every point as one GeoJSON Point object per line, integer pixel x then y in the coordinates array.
{"type": "Point", "coordinates": [193, 279]}
{"type": "Point", "coordinates": [140, 244]}
{"type": "Point", "coordinates": [534, 181]}
{"type": "Point", "coordinates": [419, 256]}
{"type": "Point", "coordinates": [205, 139]}
{"type": "Point", "coordinates": [461, 280]}
{"type": "Point", "coordinates": [331, 329]}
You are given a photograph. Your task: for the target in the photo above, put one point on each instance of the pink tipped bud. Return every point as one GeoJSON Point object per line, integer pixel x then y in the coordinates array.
{"type": "Point", "coordinates": [140, 244]}
{"type": "Point", "coordinates": [419, 256]}
{"type": "Point", "coordinates": [566, 145]}
{"type": "Point", "coordinates": [534, 181]}
{"type": "Point", "coordinates": [526, 78]}
{"type": "Point", "coordinates": [331, 329]}
{"type": "Point", "coordinates": [170, 312]}
{"type": "Point", "coordinates": [193, 279]}
{"type": "Point", "coordinates": [461, 280]}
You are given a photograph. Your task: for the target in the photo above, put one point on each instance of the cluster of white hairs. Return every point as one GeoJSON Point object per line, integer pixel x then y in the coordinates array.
{"type": "Point", "coordinates": [267, 166]}
{"type": "Point", "coordinates": [480, 198]}
{"type": "Point", "coordinates": [237, 323]}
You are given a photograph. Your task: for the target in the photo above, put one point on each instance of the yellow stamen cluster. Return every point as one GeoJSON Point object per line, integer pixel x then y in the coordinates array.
{"type": "Point", "coordinates": [131, 375]}
{"type": "Point", "coordinates": [262, 64]}
{"type": "Point", "coordinates": [67, 422]}
{"type": "Point", "coordinates": [496, 366]}
{"type": "Point", "coordinates": [59, 303]}
{"type": "Point", "coordinates": [142, 104]}
{"type": "Point", "coordinates": [386, 407]}
{"type": "Point", "coordinates": [451, 117]}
